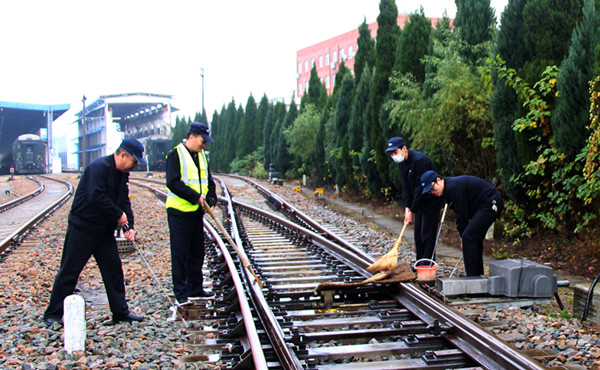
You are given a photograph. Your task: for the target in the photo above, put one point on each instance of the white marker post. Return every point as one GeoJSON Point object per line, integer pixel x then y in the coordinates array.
{"type": "Point", "coordinates": [74, 316]}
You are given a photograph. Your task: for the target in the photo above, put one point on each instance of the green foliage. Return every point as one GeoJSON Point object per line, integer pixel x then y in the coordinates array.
{"type": "Point", "coordinates": [301, 135]}
{"type": "Point", "coordinates": [474, 23]}
{"type": "Point", "coordinates": [414, 45]}
{"type": "Point", "coordinates": [453, 124]}
{"type": "Point", "coordinates": [571, 115]}
{"type": "Point", "coordinates": [365, 55]}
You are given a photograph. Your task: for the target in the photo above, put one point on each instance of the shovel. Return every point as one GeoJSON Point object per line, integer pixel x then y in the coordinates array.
{"type": "Point", "coordinates": [233, 245]}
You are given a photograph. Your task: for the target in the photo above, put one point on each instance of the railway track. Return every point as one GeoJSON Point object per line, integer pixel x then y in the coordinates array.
{"type": "Point", "coordinates": [20, 215]}
{"type": "Point", "coordinates": [287, 325]}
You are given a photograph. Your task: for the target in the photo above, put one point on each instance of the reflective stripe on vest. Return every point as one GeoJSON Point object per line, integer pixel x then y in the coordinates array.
{"type": "Point", "coordinates": [191, 178]}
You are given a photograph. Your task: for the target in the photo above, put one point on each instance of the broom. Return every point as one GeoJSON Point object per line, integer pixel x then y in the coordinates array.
{"type": "Point", "coordinates": [389, 260]}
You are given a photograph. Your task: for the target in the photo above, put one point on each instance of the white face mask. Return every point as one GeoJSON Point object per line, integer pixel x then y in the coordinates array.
{"type": "Point", "coordinates": [398, 158]}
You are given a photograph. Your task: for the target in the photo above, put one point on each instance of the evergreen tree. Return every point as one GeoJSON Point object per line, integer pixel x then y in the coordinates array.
{"type": "Point", "coordinates": [267, 128]}
{"type": "Point", "coordinates": [571, 115]}
{"type": "Point", "coordinates": [245, 139]}
{"type": "Point", "coordinates": [547, 31]}
{"type": "Point", "coordinates": [317, 93]}
{"type": "Point", "coordinates": [510, 46]}
{"type": "Point", "coordinates": [180, 131]}
{"type": "Point", "coordinates": [263, 108]}
{"type": "Point", "coordinates": [365, 55]}
{"type": "Point", "coordinates": [279, 112]}
{"type": "Point", "coordinates": [387, 39]}
{"type": "Point", "coordinates": [284, 158]}
{"type": "Point", "coordinates": [414, 44]}
{"type": "Point", "coordinates": [358, 115]}
{"type": "Point", "coordinates": [474, 21]}
{"type": "Point", "coordinates": [341, 119]}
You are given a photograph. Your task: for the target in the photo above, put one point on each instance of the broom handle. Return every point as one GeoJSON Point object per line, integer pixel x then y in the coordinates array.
{"type": "Point", "coordinates": [397, 244]}
{"type": "Point", "coordinates": [437, 238]}
{"type": "Point", "coordinates": [233, 245]}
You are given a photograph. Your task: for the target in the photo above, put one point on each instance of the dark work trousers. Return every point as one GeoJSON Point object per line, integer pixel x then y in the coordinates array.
{"type": "Point", "coordinates": [426, 222]}
{"type": "Point", "coordinates": [474, 233]}
{"type": "Point", "coordinates": [187, 254]}
{"type": "Point", "coordinates": [79, 246]}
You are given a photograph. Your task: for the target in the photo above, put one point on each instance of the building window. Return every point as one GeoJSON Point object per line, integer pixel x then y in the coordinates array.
{"type": "Point", "coordinates": [350, 51]}
{"type": "Point", "coordinates": [312, 62]}
{"type": "Point", "coordinates": [327, 59]}
{"type": "Point", "coordinates": [306, 66]}
{"type": "Point", "coordinates": [299, 67]}
{"type": "Point", "coordinates": [320, 61]}
{"type": "Point", "coordinates": [299, 86]}
{"type": "Point", "coordinates": [334, 57]}
{"type": "Point", "coordinates": [342, 56]}
{"type": "Point", "coordinates": [327, 83]}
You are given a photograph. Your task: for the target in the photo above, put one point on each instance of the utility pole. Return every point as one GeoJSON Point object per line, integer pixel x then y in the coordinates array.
{"type": "Point", "coordinates": [202, 74]}
{"type": "Point", "coordinates": [83, 133]}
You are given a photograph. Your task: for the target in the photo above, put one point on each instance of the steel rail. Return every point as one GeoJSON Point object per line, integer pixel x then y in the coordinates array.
{"type": "Point", "coordinates": [21, 231]}
{"type": "Point", "coordinates": [15, 202]}
{"type": "Point", "coordinates": [475, 341]}
{"type": "Point", "coordinates": [258, 355]}
{"type": "Point", "coordinates": [293, 211]}
{"type": "Point", "coordinates": [288, 358]}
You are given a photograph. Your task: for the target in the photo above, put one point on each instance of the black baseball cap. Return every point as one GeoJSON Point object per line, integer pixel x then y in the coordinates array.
{"type": "Point", "coordinates": [135, 148]}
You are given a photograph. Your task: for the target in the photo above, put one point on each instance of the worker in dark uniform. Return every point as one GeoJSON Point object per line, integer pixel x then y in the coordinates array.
{"type": "Point", "coordinates": [476, 203]}
{"type": "Point", "coordinates": [423, 211]}
{"type": "Point", "coordinates": [101, 203]}
{"type": "Point", "coordinates": [190, 185]}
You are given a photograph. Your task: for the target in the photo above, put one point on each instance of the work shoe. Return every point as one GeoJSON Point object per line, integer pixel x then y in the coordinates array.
{"type": "Point", "coordinates": [130, 317]}
{"type": "Point", "coordinates": [52, 320]}
{"type": "Point", "coordinates": [202, 294]}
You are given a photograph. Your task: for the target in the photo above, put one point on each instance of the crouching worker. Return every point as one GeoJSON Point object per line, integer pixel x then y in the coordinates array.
{"type": "Point", "coordinates": [476, 203]}
{"type": "Point", "coordinates": [101, 203]}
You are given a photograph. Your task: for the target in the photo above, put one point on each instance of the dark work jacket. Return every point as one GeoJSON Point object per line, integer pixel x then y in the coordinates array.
{"type": "Point", "coordinates": [180, 189]}
{"type": "Point", "coordinates": [411, 170]}
{"type": "Point", "coordinates": [101, 198]}
{"type": "Point", "coordinates": [466, 195]}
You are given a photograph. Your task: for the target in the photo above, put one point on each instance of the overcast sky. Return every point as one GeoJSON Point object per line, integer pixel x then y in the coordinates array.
{"type": "Point", "coordinates": [54, 52]}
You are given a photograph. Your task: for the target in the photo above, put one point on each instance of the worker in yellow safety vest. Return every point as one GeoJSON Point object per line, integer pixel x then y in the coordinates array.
{"type": "Point", "coordinates": [189, 184]}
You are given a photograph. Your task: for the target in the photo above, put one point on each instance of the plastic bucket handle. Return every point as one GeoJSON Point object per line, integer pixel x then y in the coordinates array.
{"type": "Point", "coordinates": [425, 259]}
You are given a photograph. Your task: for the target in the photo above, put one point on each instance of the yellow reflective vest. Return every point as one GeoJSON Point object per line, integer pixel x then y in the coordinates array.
{"type": "Point", "coordinates": [197, 180]}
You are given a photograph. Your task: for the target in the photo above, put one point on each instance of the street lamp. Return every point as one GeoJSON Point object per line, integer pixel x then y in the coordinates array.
{"type": "Point", "coordinates": [83, 156]}
{"type": "Point", "coordinates": [202, 74]}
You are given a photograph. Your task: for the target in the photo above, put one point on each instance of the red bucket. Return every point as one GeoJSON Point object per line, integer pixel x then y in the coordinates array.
{"type": "Point", "coordinates": [426, 273]}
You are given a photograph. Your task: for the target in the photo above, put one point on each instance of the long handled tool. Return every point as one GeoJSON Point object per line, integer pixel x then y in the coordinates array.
{"type": "Point", "coordinates": [232, 243]}
{"type": "Point", "coordinates": [452, 273]}
{"type": "Point", "coordinates": [437, 238]}
{"type": "Point", "coordinates": [162, 288]}
{"type": "Point", "coordinates": [389, 260]}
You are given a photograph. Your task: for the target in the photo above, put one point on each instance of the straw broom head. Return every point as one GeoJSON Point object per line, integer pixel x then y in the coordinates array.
{"type": "Point", "coordinates": [389, 260]}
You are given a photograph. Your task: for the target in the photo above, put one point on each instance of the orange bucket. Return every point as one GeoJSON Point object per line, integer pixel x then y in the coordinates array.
{"type": "Point", "coordinates": [426, 273]}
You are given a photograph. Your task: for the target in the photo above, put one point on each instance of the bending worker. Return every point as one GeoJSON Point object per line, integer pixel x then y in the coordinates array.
{"type": "Point", "coordinates": [476, 203]}
{"type": "Point", "coordinates": [425, 213]}
{"type": "Point", "coordinates": [190, 185]}
{"type": "Point", "coordinates": [101, 203]}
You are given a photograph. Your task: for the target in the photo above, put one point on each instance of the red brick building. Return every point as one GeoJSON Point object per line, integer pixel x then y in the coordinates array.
{"type": "Point", "coordinates": [327, 55]}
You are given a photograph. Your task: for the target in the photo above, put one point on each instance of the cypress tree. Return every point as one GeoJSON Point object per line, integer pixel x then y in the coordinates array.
{"type": "Point", "coordinates": [413, 45]}
{"type": "Point", "coordinates": [510, 46]}
{"type": "Point", "coordinates": [245, 139]}
{"type": "Point", "coordinates": [341, 119]}
{"type": "Point", "coordinates": [263, 108]}
{"type": "Point", "coordinates": [279, 112]}
{"type": "Point", "coordinates": [284, 158]}
{"type": "Point", "coordinates": [571, 115]}
{"type": "Point", "coordinates": [365, 55]}
{"type": "Point", "coordinates": [268, 127]}
{"type": "Point", "coordinates": [359, 114]}
{"type": "Point", "coordinates": [474, 21]}
{"type": "Point", "coordinates": [387, 39]}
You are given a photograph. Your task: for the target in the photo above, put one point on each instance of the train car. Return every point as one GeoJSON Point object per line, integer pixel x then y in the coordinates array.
{"type": "Point", "coordinates": [157, 148]}
{"type": "Point", "coordinates": [29, 154]}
